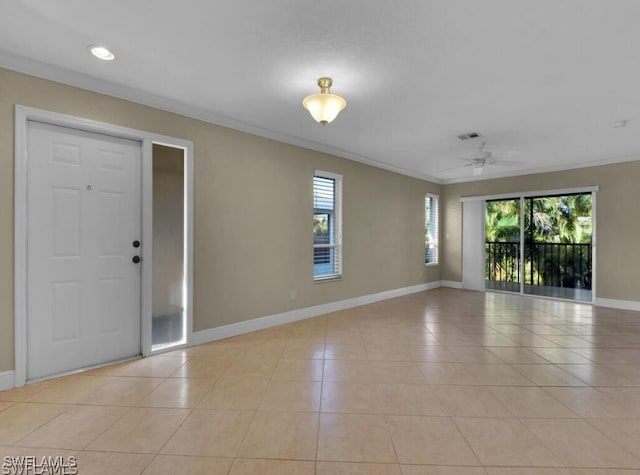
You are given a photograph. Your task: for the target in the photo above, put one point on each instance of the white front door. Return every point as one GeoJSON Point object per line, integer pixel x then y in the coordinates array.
{"type": "Point", "coordinates": [83, 216]}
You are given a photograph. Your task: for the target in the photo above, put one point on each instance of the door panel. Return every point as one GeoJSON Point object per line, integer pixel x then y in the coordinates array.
{"type": "Point", "coordinates": [558, 246]}
{"type": "Point", "coordinates": [83, 215]}
{"type": "Point", "coordinates": [473, 246]}
{"type": "Point", "coordinates": [502, 232]}
{"type": "Point", "coordinates": [65, 311]}
{"type": "Point", "coordinates": [66, 219]}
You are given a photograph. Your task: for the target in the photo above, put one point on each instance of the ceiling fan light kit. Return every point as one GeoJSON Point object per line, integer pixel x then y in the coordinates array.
{"type": "Point", "coordinates": [478, 165]}
{"type": "Point", "coordinates": [324, 107]}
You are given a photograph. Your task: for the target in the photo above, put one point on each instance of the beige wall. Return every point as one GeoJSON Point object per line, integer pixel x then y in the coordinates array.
{"type": "Point", "coordinates": [617, 222]}
{"type": "Point", "coordinates": [252, 222]}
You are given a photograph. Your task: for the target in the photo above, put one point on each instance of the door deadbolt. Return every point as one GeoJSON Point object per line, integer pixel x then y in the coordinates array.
{"type": "Point", "coordinates": [136, 243]}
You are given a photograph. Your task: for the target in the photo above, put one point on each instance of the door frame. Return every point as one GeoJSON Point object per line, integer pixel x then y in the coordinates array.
{"type": "Point", "coordinates": [24, 115]}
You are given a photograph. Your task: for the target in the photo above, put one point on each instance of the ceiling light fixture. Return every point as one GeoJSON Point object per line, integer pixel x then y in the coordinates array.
{"type": "Point", "coordinates": [324, 107]}
{"type": "Point", "coordinates": [101, 52]}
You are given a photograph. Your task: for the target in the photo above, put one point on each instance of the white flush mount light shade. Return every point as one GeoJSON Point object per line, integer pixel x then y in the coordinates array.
{"type": "Point", "coordinates": [324, 107]}
{"type": "Point", "coordinates": [101, 52]}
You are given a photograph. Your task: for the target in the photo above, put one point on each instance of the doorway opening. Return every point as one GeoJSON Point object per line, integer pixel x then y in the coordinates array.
{"type": "Point", "coordinates": [540, 245]}
{"type": "Point", "coordinates": [169, 302]}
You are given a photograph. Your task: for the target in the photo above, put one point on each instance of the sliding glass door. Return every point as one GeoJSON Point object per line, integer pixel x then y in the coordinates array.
{"type": "Point", "coordinates": [540, 245]}
{"type": "Point", "coordinates": [558, 246]}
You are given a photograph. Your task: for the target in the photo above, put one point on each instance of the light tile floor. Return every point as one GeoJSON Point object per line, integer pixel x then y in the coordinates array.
{"type": "Point", "coordinates": [444, 382]}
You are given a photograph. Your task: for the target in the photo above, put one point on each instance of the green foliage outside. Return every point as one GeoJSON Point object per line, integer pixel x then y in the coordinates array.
{"type": "Point", "coordinates": [560, 219]}
{"type": "Point", "coordinates": [321, 228]}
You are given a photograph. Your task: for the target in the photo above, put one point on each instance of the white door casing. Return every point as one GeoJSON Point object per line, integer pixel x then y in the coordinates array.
{"type": "Point", "coordinates": [23, 117]}
{"type": "Point", "coordinates": [83, 215]}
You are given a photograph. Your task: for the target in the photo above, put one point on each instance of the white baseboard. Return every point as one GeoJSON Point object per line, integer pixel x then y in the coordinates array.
{"type": "Point", "coordinates": [600, 302]}
{"type": "Point", "coordinates": [226, 331]}
{"type": "Point", "coordinates": [7, 380]}
{"type": "Point", "coordinates": [621, 304]}
{"type": "Point", "coordinates": [451, 284]}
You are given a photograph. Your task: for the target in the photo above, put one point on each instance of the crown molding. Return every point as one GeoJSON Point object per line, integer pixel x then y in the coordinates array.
{"type": "Point", "coordinates": [50, 72]}
{"type": "Point", "coordinates": [84, 81]}
{"type": "Point", "coordinates": [554, 168]}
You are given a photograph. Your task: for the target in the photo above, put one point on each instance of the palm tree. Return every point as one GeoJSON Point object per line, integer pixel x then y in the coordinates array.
{"type": "Point", "coordinates": [551, 222]}
{"type": "Point", "coordinates": [556, 219]}
{"type": "Point", "coordinates": [502, 221]}
{"type": "Point", "coordinates": [502, 225]}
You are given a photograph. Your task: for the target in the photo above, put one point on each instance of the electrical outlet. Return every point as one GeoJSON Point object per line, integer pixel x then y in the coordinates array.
{"type": "Point", "coordinates": [292, 294]}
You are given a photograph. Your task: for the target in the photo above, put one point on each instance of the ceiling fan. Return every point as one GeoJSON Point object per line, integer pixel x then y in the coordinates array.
{"type": "Point", "coordinates": [482, 158]}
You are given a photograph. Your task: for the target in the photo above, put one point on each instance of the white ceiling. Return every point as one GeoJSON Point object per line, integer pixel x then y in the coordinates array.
{"type": "Point", "coordinates": [542, 80]}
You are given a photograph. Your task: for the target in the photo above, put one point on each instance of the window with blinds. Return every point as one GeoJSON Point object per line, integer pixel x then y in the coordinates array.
{"type": "Point", "coordinates": [327, 225]}
{"type": "Point", "coordinates": [431, 229]}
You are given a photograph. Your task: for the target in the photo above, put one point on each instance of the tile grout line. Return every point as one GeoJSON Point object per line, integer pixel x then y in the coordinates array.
{"type": "Point", "coordinates": [324, 355]}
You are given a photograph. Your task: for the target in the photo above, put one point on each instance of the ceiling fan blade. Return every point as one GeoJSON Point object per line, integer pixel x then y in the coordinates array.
{"type": "Point", "coordinates": [452, 168]}
{"type": "Point", "coordinates": [508, 163]}
{"type": "Point", "coordinates": [507, 153]}
{"type": "Point", "coordinates": [483, 157]}
{"type": "Point", "coordinates": [459, 167]}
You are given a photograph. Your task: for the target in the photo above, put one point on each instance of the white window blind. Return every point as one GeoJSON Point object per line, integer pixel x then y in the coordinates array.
{"type": "Point", "coordinates": [431, 230]}
{"type": "Point", "coordinates": [327, 225]}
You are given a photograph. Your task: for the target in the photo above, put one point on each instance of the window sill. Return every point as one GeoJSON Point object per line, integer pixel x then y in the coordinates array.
{"type": "Point", "coordinates": [432, 264]}
{"type": "Point", "coordinates": [329, 278]}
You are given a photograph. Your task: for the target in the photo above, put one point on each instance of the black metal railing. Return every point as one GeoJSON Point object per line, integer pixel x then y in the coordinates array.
{"type": "Point", "coordinates": [545, 264]}
{"type": "Point", "coordinates": [502, 263]}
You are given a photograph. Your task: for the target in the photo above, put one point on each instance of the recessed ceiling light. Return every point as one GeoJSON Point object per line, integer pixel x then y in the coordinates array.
{"type": "Point", "coordinates": [620, 123]}
{"type": "Point", "coordinates": [101, 52]}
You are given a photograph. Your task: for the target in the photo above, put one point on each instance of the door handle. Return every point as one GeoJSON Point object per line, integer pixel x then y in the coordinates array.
{"type": "Point", "coordinates": [136, 259]}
